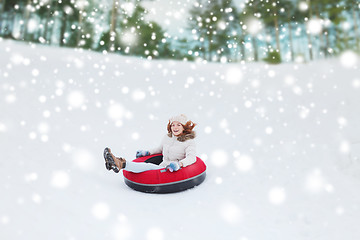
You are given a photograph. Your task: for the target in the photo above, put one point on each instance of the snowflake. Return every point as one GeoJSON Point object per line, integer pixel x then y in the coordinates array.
{"type": "Point", "coordinates": [84, 159]}
{"type": "Point", "coordinates": [76, 99]}
{"type": "Point", "coordinates": [155, 233]}
{"type": "Point", "coordinates": [3, 127]}
{"type": "Point", "coordinates": [244, 163]}
{"type": "Point", "coordinates": [129, 38]}
{"type": "Point", "coordinates": [253, 26]}
{"type": "Point", "coordinates": [234, 75]}
{"type": "Point", "coordinates": [219, 158]}
{"type": "Point", "coordinates": [303, 6]}
{"type": "Point", "coordinates": [100, 211]}
{"type": "Point", "coordinates": [60, 179]}
{"type": "Point", "coordinates": [277, 195]}
{"type": "Point", "coordinates": [314, 26]}
{"type": "Point", "coordinates": [348, 59]}
{"type": "Point", "coordinates": [138, 95]}
{"type": "Point", "coordinates": [230, 212]}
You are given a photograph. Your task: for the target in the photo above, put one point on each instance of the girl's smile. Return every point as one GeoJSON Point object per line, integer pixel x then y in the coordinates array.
{"type": "Point", "coordinates": [177, 128]}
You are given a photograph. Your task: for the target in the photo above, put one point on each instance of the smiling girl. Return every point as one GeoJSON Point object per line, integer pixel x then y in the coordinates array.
{"type": "Point", "coordinates": [177, 147]}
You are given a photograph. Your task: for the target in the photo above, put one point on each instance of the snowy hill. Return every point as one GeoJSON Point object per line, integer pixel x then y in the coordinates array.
{"type": "Point", "coordinates": [282, 146]}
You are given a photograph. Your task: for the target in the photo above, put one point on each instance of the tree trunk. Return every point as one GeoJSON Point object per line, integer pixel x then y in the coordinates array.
{"type": "Point", "coordinates": [80, 29]}
{"type": "Point", "coordinates": [308, 35]}
{"type": "Point", "coordinates": [203, 49]}
{"type": "Point", "coordinates": [63, 29]}
{"type": "Point", "coordinates": [336, 36]}
{"type": "Point", "coordinates": [2, 10]}
{"type": "Point", "coordinates": [242, 47]}
{"type": "Point", "coordinates": [276, 24]}
{"type": "Point", "coordinates": [113, 34]}
{"type": "Point", "coordinates": [209, 47]}
{"type": "Point", "coordinates": [46, 29]}
{"type": "Point", "coordinates": [26, 20]}
{"type": "Point", "coordinates": [254, 43]}
{"type": "Point", "coordinates": [321, 39]}
{"type": "Point", "coordinates": [9, 23]}
{"type": "Point", "coordinates": [356, 28]}
{"type": "Point", "coordinates": [309, 45]}
{"type": "Point", "coordinates": [327, 43]}
{"type": "Point", "coordinates": [291, 45]}
{"type": "Point", "coordinates": [3, 4]}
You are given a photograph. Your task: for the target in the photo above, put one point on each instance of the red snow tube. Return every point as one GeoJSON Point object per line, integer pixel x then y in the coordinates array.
{"type": "Point", "coordinates": [161, 181]}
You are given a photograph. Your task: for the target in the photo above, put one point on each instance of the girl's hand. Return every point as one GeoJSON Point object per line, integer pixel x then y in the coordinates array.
{"type": "Point", "coordinates": [173, 167]}
{"type": "Point", "coordinates": [142, 153]}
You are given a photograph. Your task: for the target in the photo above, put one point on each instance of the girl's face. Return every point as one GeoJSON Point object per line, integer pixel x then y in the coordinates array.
{"type": "Point", "coordinates": [177, 128]}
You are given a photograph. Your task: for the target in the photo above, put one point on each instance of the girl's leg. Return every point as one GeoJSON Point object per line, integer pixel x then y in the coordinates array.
{"type": "Point", "coordinates": [114, 163]}
{"type": "Point", "coordinates": [138, 167]}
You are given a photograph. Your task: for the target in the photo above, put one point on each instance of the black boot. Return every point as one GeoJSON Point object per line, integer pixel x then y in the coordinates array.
{"type": "Point", "coordinates": [107, 164]}
{"type": "Point", "coordinates": [110, 161]}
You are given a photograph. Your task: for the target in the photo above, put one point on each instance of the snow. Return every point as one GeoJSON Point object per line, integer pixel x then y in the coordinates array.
{"type": "Point", "coordinates": [281, 143]}
{"type": "Point", "coordinates": [348, 59]}
{"type": "Point", "coordinates": [314, 26]}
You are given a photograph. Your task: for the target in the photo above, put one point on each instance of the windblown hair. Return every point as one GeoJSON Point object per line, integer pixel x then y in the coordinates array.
{"type": "Point", "coordinates": [188, 128]}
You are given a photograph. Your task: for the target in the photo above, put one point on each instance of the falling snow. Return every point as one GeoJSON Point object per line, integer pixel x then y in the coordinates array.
{"type": "Point", "coordinates": [281, 144]}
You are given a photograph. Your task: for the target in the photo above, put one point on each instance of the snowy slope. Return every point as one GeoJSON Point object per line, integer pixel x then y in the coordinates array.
{"type": "Point", "coordinates": [281, 143]}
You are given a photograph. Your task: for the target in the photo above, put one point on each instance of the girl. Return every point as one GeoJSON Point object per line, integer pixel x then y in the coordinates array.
{"type": "Point", "coordinates": [177, 147]}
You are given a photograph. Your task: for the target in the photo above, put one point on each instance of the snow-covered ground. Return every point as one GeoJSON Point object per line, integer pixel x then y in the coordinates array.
{"type": "Point", "coordinates": [282, 146]}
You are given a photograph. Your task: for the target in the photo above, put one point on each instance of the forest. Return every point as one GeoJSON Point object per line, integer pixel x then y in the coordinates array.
{"type": "Point", "coordinates": [216, 31]}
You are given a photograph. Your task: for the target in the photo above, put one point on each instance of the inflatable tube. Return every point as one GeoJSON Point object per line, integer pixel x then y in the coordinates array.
{"type": "Point", "coordinates": [161, 181]}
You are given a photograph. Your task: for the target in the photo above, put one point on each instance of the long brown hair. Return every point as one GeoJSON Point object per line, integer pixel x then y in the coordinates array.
{"type": "Point", "coordinates": [188, 127]}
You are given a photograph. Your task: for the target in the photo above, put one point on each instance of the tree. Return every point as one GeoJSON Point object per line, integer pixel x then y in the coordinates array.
{"type": "Point", "coordinates": [251, 18]}
{"type": "Point", "coordinates": [334, 14]}
{"type": "Point", "coordinates": [353, 7]}
{"type": "Point", "coordinates": [113, 36]}
{"type": "Point", "coordinates": [68, 14]}
{"type": "Point", "coordinates": [196, 24]}
{"type": "Point", "coordinates": [85, 29]}
{"type": "Point", "coordinates": [138, 36]}
{"type": "Point", "coordinates": [223, 13]}
{"type": "Point", "coordinates": [290, 15]}
{"type": "Point", "coordinates": [271, 10]}
{"type": "Point", "coordinates": [213, 26]}
{"type": "Point", "coordinates": [28, 8]}
{"type": "Point", "coordinates": [7, 20]}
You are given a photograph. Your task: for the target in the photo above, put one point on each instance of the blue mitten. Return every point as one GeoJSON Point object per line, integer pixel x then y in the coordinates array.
{"type": "Point", "coordinates": [173, 167]}
{"type": "Point", "coordinates": [142, 153]}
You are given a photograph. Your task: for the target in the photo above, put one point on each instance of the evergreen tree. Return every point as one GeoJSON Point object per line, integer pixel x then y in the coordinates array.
{"type": "Point", "coordinates": [112, 35]}
{"type": "Point", "coordinates": [291, 15]}
{"type": "Point", "coordinates": [46, 13]}
{"type": "Point", "coordinates": [270, 11]}
{"type": "Point", "coordinates": [334, 14]}
{"type": "Point", "coordinates": [68, 14]}
{"type": "Point", "coordinates": [7, 15]}
{"type": "Point", "coordinates": [352, 6]}
{"type": "Point", "coordinates": [28, 8]}
{"type": "Point", "coordinates": [85, 29]}
{"type": "Point", "coordinates": [196, 24]}
{"type": "Point", "coordinates": [252, 12]}
{"type": "Point", "coordinates": [223, 25]}
{"type": "Point", "coordinates": [140, 37]}
{"type": "Point", "coordinates": [309, 15]}
{"type": "Point", "coordinates": [214, 28]}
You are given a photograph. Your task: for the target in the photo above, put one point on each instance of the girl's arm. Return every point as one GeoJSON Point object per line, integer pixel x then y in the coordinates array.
{"type": "Point", "coordinates": [157, 150]}
{"type": "Point", "coordinates": [190, 153]}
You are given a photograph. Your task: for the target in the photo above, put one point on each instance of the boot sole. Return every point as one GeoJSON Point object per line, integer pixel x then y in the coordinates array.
{"type": "Point", "coordinates": [109, 161]}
